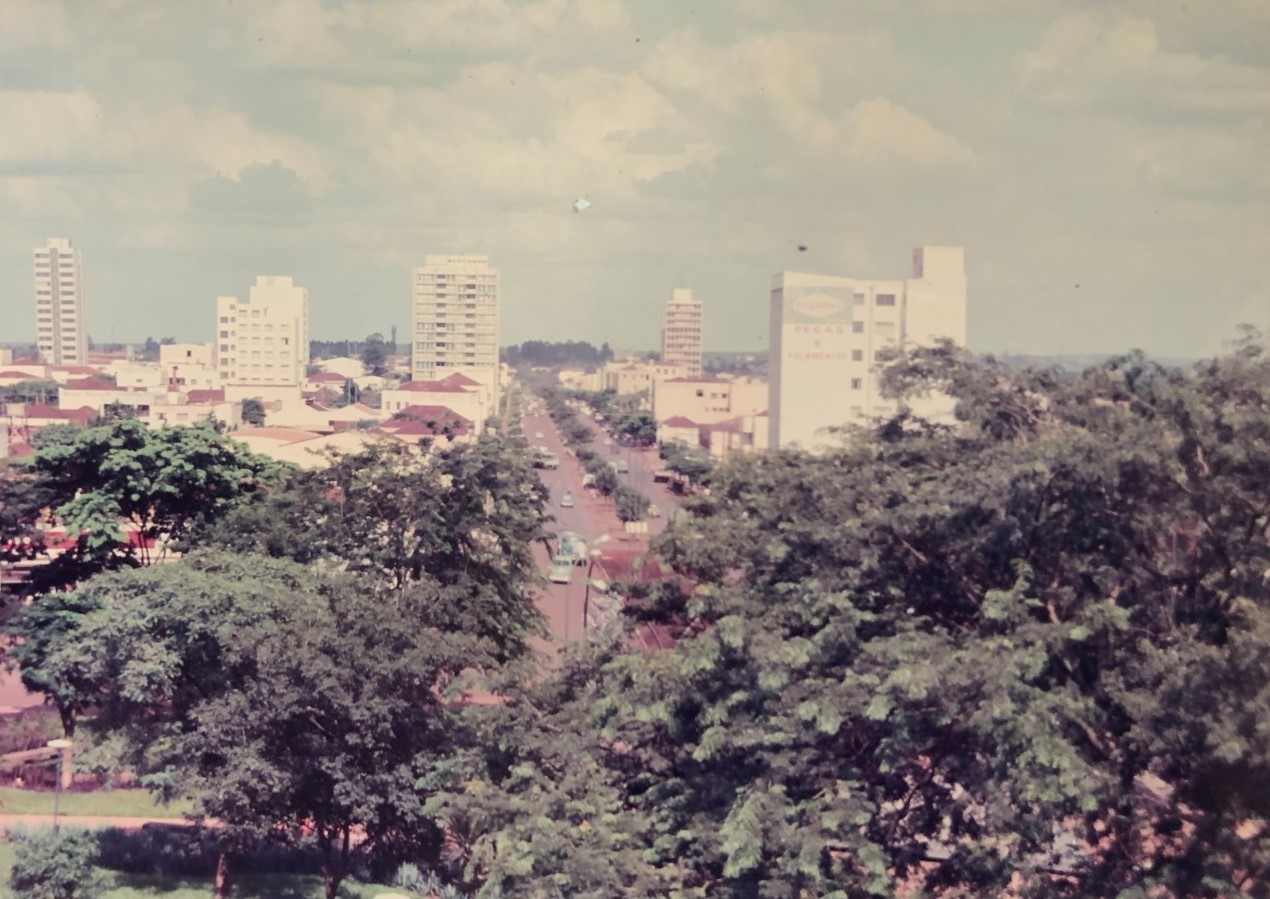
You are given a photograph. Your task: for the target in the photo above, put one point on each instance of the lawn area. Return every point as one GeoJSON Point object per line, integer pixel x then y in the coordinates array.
{"type": "Point", "coordinates": [125, 803]}
{"type": "Point", "coordinates": [249, 886]}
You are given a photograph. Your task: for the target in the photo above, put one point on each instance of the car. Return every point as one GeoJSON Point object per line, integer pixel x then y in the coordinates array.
{"type": "Point", "coordinates": [572, 547]}
{"type": "Point", "coordinates": [654, 512]}
{"type": "Point", "coordinates": [566, 501]}
{"type": "Point", "coordinates": [588, 480]}
{"type": "Point", "coordinates": [621, 466]}
{"type": "Point", "coordinates": [561, 570]}
{"type": "Point", "coordinates": [537, 435]}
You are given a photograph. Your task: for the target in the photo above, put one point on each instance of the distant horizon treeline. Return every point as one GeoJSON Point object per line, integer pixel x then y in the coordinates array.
{"type": "Point", "coordinates": [568, 352]}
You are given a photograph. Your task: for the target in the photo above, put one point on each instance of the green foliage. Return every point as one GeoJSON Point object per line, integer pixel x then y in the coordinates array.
{"type": "Point", "coordinates": [253, 411]}
{"type": "Point", "coordinates": [157, 484]}
{"type": "Point", "coordinates": [569, 352]}
{"type": "Point", "coordinates": [286, 703]}
{"type": "Point", "coordinates": [454, 527]}
{"type": "Point", "coordinates": [374, 355]}
{"type": "Point", "coordinates": [691, 463]}
{"type": "Point", "coordinates": [33, 391]}
{"type": "Point", "coordinates": [631, 504]}
{"type": "Point", "coordinates": [55, 865]}
{"type": "Point", "coordinates": [638, 427]}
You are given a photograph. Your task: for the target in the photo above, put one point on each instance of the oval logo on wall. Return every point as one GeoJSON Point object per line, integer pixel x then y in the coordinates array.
{"type": "Point", "coordinates": [819, 305]}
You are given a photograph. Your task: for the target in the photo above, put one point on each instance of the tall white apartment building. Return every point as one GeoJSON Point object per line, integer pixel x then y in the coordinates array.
{"type": "Point", "coordinates": [60, 328]}
{"type": "Point", "coordinates": [681, 331]}
{"type": "Point", "coordinates": [265, 340]}
{"type": "Point", "coordinates": [455, 319]}
{"type": "Point", "coordinates": [828, 335]}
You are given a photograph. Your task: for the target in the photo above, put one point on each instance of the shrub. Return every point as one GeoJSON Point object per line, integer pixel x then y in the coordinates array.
{"type": "Point", "coordinates": [49, 865]}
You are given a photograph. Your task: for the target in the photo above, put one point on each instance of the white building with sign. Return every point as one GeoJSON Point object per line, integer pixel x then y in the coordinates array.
{"type": "Point", "coordinates": [828, 335]}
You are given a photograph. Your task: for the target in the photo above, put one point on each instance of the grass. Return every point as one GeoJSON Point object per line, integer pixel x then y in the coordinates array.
{"type": "Point", "coordinates": [255, 886]}
{"type": "Point", "coordinates": [105, 803]}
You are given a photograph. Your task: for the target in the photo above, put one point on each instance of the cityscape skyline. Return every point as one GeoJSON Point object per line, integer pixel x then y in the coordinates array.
{"type": "Point", "coordinates": [1101, 165]}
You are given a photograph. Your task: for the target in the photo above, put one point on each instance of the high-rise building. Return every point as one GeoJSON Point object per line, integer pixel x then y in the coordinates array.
{"type": "Point", "coordinates": [455, 319]}
{"type": "Point", "coordinates": [681, 331]}
{"type": "Point", "coordinates": [829, 334]}
{"type": "Point", "coordinates": [60, 327]}
{"type": "Point", "coordinates": [265, 340]}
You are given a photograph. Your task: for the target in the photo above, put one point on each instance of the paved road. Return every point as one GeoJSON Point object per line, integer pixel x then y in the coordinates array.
{"type": "Point", "coordinates": [590, 516]}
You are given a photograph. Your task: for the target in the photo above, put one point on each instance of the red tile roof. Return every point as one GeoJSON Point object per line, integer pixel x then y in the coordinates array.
{"type": "Point", "coordinates": [431, 387]}
{"type": "Point", "coordinates": [205, 396]}
{"type": "Point", "coordinates": [331, 376]}
{"type": "Point", "coordinates": [83, 414]}
{"type": "Point", "coordinates": [461, 379]}
{"type": "Point", "coordinates": [91, 384]}
{"type": "Point", "coordinates": [679, 421]}
{"type": "Point", "coordinates": [427, 420]}
{"type": "Point", "coordinates": [17, 374]}
{"type": "Point", "coordinates": [86, 370]}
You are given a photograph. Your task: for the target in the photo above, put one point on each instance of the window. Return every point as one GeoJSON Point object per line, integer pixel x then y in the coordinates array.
{"type": "Point", "coordinates": [886, 299]}
{"type": "Point", "coordinates": [224, 333]}
{"type": "Point", "coordinates": [859, 299]}
{"type": "Point", "coordinates": [856, 383]}
{"type": "Point", "coordinates": [857, 327]}
{"type": "Point", "coordinates": [857, 355]}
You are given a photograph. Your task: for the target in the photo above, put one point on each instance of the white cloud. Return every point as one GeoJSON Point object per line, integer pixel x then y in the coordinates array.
{"type": "Point", "coordinates": [42, 127]}
{"type": "Point", "coordinates": [1112, 59]}
{"type": "Point", "coordinates": [880, 132]}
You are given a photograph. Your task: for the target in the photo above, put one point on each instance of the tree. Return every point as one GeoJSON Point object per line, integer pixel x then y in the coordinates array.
{"type": "Point", "coordinates": [631, 504]}
{"type": "Point", "coordinates": [288, 703]}
{"type": "Point", "coordinates": [462, 519]}
{"type": "Point", "coordinates": [1021, 653]}
{"type": "Point", "coordinates": [125, 492]}
{"type": "Point", "coordinates": [55, 865]}
{"type": "Point", "coordinates": [33, 391]}
{"type": "Point", "coordinates": [981, 638]}
{"type": "Point", "coordinates": [533, 804]}
{"type": "Point", "coordinates": [692, 464]}
{"type": "Point", "coordinates": [639, 427]}
{"type": "Point", "coordinates": [253, 411]}
{"type": "Point", "coordinates": [375, 355]}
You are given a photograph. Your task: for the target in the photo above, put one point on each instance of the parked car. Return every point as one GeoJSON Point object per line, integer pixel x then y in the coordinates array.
{"type": "Point", "coordinates": [572, 547]}
{"type": "Point", "coordinates": [566, 501]}
{"type": "Point", "coordinates": [561, 570]}
{"type": "Point", "coordinates": [621, 466]}
{"type": "Point", "coordinates": [537, 435]}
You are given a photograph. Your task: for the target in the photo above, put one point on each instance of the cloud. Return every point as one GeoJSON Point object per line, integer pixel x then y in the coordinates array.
{"type": "Point", "coordinates": [777, 73]}
{"type": "Point", "coordinates": [1113, 60]}
{"type": "Point", "coordinates": [44, 127]}
{"type": "Point", "coordinates": [878, 131]}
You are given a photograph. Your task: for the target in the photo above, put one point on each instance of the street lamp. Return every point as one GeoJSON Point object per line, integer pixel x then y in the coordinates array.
{"type": "Point", "coordinates": [62, 745]}
{"type": "Point", "coordinates": [595, 555]}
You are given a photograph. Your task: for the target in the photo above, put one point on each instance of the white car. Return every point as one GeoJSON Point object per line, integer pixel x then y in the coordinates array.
{"type": "Point", "coordinates": [537, 435]}
{"type": "Point", "coordinates": [566, 501]}
{"type": "Point", "coordinates": [561, 570]}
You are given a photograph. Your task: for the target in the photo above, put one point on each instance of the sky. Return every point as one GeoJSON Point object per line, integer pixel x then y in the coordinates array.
{"type": "Point", "coordinates": [1103, 162]}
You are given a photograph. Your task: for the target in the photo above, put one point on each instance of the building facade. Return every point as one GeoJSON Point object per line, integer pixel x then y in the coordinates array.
{"type": "Point", "coordinates": [455, 319]}
{"type": "Point", "coordinates": [709, 401]}
{"type": "Point", "coordinates": [60, 327]}
{"type": "Point", "coordinates": [265, 340]}
{"type": "Point", "coordinates": [681, 332]}
{"type": "Point", "coordinates": [830, 334]}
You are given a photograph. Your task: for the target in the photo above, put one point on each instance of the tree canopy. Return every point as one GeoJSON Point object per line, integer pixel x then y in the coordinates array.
{"type": "Point", "coordinates": [459, 523]}
{"type": "Point", "coordinates": [124, 492]}
{"type": "Point", "coordinates": [288, 703]}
